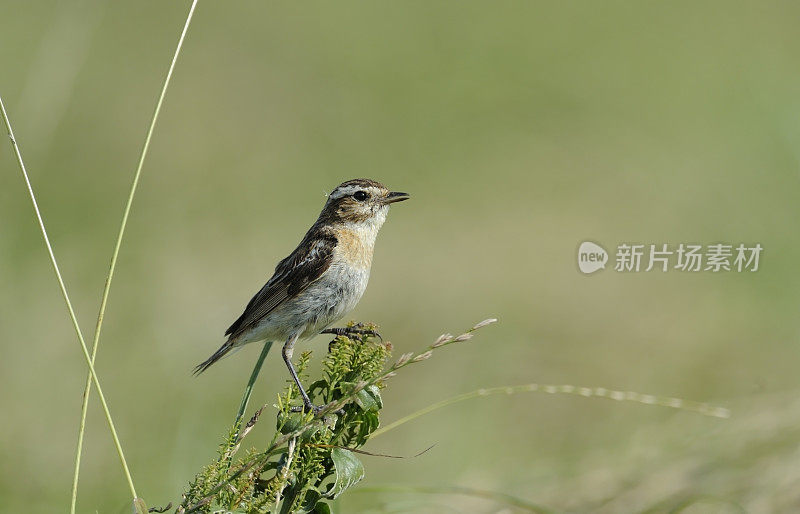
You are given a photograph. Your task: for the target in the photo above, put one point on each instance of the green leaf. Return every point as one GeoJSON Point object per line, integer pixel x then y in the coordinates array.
{"type": "Point", "coordinates": [289, 497]}
{"type": "Point", "coordinates": [290, 422]}
{"type": "Point", "coordinates": [139, 506]}
{"type": "Point", "coordinates": [319, 384]}
{"type": "Point", "coordinates": [322, 508]}
{"type": "Point", "coordinates": [369, 398]}
{"type": "Point", "coordinates": [375, 391]}
{"type": "Point", "coordinates": [310, 502]}
{"type": "Point", "coordinates": [369, 423]}
{"type": "Point", "coordinates": [349, 471]}
{"type": "Point", "coordinates": [366, 401]}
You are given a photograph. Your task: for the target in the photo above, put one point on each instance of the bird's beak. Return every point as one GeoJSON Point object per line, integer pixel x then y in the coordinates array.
{"type": "Point", "coordinates": [396, 196]}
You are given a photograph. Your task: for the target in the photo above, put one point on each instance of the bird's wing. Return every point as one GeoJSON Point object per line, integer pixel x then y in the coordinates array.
{"type": "Point", "coordinates": [292, 276]}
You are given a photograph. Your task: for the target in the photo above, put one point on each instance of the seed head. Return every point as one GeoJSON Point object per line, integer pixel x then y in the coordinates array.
{"type": "Point", "coordinates": [484, 323]}
{"type": "Point", "coordinates": [423, 356]}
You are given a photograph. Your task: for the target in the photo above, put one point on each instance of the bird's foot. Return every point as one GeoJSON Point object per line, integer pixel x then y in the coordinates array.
{"type": "Point", "coordinates": [357, 329]}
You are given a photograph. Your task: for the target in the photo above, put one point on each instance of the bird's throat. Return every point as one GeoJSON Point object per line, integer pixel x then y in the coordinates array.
{"type": "Point", "coordinates": [355, 244]}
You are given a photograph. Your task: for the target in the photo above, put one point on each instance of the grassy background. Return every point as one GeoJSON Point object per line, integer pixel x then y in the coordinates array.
{"type": "Point", "coordinates": [520, 128]}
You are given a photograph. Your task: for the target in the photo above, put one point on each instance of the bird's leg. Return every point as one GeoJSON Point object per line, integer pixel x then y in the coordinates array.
{"type": "Point", "coordinates": [357, 329]}
{"type": "Point", "coordinates": [288, 350]}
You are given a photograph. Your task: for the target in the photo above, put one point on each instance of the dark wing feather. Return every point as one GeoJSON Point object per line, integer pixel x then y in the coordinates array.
{"type": "Point", "coordinates": [292, 276]}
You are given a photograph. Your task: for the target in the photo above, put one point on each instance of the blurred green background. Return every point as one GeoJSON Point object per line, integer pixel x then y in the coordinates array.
{"type": "Point", "coordinates": [521, 129]}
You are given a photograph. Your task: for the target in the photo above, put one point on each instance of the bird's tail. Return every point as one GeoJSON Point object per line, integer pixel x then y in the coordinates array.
{"type": "Point", "coordinates": [222, 352]}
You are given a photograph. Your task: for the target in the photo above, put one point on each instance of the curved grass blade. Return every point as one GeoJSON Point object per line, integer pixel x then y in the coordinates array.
{"type": "Point", "coordinates": [589, 392]}
{"type": "Point", "coordinates": [248, 390]}
{"type": "Point", "coordinates": [73, 318]}
{"type": "Point", "coordinates": [104, 300]}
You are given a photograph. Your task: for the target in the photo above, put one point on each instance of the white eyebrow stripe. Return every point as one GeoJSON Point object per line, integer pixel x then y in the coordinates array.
{"type": "Point", "coordinates": [339, 192]}
{"type": "Point", "coordinates": [349, 190]}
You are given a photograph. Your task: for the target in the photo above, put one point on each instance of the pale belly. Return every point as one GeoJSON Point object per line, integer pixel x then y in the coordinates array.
{"type": "Point", "coordinates": [323, 303]}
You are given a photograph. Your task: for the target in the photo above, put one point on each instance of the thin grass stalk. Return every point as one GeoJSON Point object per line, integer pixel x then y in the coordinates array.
{"type": "Point", "coordinates": [72, 316]}
{"type": "Point", "coordinates": [115, 254]}
{"type": "Point", "coordinates": [588, 392]}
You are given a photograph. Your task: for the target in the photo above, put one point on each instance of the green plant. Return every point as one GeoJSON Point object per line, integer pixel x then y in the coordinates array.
{"type": "Point", "coordinates": [310, 459]}
{"type": "Point", "coordinates": [313, 459]}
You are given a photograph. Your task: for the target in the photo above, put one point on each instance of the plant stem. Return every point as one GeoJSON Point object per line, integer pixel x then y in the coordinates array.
{"type": "Point", "coordinates": [248, 390]}
{"type": "Point", "coordinates": [115, 254]}
{"type": "Point", "coordinates": [72, 316]}
{"type": "Point", "coordinates": [589, 392]}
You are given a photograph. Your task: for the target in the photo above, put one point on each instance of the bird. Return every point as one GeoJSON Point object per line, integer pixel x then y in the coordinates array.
{"type": "Point", "coordinates": [321, 281]}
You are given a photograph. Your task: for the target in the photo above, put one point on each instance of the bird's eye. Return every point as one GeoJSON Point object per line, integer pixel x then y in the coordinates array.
{"type": "Point", "coordinates": [360, 196]}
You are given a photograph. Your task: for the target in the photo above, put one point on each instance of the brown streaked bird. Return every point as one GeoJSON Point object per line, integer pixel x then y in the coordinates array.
{"type": "Point", "coordinates": [321, 280]}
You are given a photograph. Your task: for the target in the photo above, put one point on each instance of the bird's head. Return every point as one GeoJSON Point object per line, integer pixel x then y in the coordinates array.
{"type": "Point", "coordinates": [360, 202]}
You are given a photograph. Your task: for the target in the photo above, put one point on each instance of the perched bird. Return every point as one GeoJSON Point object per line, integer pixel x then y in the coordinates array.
{"type": "Point", "coordinates": [321, 280]}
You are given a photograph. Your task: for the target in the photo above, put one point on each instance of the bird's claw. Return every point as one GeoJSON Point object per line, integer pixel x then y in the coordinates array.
{"type": "Point", "coordinates": [373, 333]}
{"type": "Point", "coordinates": [357, 329]}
